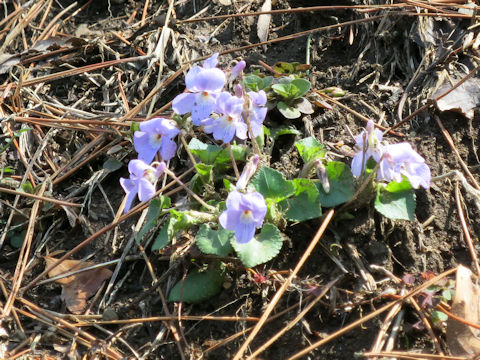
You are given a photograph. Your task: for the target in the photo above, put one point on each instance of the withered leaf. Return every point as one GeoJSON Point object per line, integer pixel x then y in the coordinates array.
{"type": "Point", "coordinates": [463, 340]}
{"type": "Point", "coordinates": [76, 289]}
{"type": "Point", "coordinates": [463, 99]}
{"type": "Point", "coordinates": [263, 24]}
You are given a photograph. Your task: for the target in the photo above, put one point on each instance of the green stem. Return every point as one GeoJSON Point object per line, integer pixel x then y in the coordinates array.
{"type": "Point", "coordinates": [195, 196]}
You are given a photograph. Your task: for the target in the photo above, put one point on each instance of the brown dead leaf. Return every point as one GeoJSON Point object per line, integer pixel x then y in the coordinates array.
{"type": "Point", "coordinates": [76, 289]}
{"type": "Point", "coordinates": [462, 339]}
{"type": "Point", "coordinates": [263, 24]}
{"type": "Point", "coordinates": [463, 99]}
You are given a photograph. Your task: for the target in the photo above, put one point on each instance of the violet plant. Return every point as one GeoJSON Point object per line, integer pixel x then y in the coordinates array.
{"type": "Point", "coordinates": [246, 217]}
{"type": "Point", "coordinates": [399, 165]}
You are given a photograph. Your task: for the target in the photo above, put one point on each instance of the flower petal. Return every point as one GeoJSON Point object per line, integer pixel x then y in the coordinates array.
{"type": "Point", "coordinates": [130, 188]}
{"type": "Point", "coordinates": [183, 103]}
{"type": "Point", "coordinates": [244, 232]}
{"type": "Point", "coordinates": [137, 167]}
{"type": "Point", "coordinates": [145, 148]}
{"type": "Point", "coordinates": [211, 62]}
{"type": "Point", "coordinates": [146, 190]}
{"type": "Point", "coordinates": [202, 107]}
{"type": "Point", "coordinates": [225, 130]}
{"type": "Point", "coordinates": [233, 201]}
{"type": "Point", "coordinates": [258, 98]}
{"type": "Point", "coordinates": [167, 149]}
{"type": "Point", "coordinates": [207, 80]}
{"type": "Point", "coordinates": [191, 76]}
{"type": "Point", "coordinates": [237, 70]}
{"type": "Point", "coordinates": [241, 130]}
{"type": "Point", "coordinates": [358, 164]}
{"type": "Point", "coordinates": [259, 208]}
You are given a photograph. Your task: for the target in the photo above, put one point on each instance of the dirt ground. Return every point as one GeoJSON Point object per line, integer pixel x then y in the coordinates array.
{"type": "Point", "coordinates": [373, 61]}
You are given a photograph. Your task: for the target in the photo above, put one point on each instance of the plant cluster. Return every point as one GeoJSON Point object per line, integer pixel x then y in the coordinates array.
{"type": "Point", "coordinates": [232, 107]}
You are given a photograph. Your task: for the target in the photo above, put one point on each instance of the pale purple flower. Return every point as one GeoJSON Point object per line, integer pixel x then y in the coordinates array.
{"type": "Point", "coordinates": [204, 84]}
{"type": "Point", "coordinates": [400, 159]}
{"type": "Point", "coordinates": [230, 122]}
{"type": "Point", "coordinates": [237, 70]}
{"type": "Point", "coordinates": [142, 181]}
{"type": "Point", "coordinates": [248, 171]}
{"type": "Point", "coordinates": [238, 90]}
{"type": "Point", "coordinates": [245, 213]}
{"type": "Point", "coordinates": [369, 144]}
{"type": "Point", "coordinates": [156, 135]}
{"type": "Point", "coordinates": [256, 110]}
{"type": "Point", "coordinates": [211, 62]}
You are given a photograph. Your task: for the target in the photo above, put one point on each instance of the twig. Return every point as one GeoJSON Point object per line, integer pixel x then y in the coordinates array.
{"type": "Point", "coordinates": [297, 318]}
{"type": "Point", "coordinates": [468, 238]}
{"type": "Point", "coordinates": [24, 253]}
{"type": "Point", "coordinates": [455, 151]}
{"type": "Point", "coordinates": [372, 315]}
{"type": "Point", "coordinates": [38, 197]}
{"type": "Point", "coordinates": [190, 192]}
{"type": "Point", "coordinates": [284, 286]}
{"type": "Point", "coordinates": [103, 230]}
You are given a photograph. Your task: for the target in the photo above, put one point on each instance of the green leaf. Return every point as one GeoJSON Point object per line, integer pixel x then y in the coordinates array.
{"type": "Point", "coordinates": [112, 164]}
{"type": "Point", "coordinates": [198, 285]}
{"type": "Point", "coordinates": [267, 82]}
{"type": "Point", "coordinates": [228, 185]}
{"type": "Point", "coordinates": [286, 90]}
{"type": "Point", "coordinates": [447, 294]}
{"type": "Point", "coordinates": [283, 130]}
{"type": "Point", "coordinates": [134, 126]}
{"type": "Point", "coordinates": [398, 205]}
{"type": "Point", "coordinates": [223, 161]}
{"type": "Point", "coordinates": [395, 187]}
{"type": "Point", "coordinates": [162, 238]}
{"type": "Point", "coordinates": [260, 139]}
{"type": "Point", "coordinates": [439, 316]}
{"type": "Point", "coordinates": [341, 185]}
{"type": "Point", "coordinates": [253, 82]}
{"type": "Point", "coordinates": [178, 221]}
{"type": "Point", "coordinates": [17, 239]}
{"type": "Point", "coordinates": [261, 248]}
{"type": "Point", "coordinates": [310, 149]}
{"type": "Point", "coordinates": [206, 153]}
{"type": "Point", "coordinates": [181, 220]}
{"type": "Point", "coordinates": [288, 111]}
{"type": "Point", "coordinates": [284, 67]}
{"type": "Point", "coordinates": [303, 87]}
{"type": "Point", "coordinates": [26, 187]}
{"type": "Point", "coordinates": [215, 242]}
{"type": "Point", "coordinates": [306, 203]}
{"type": "Point", "coordinates": [302, 207]}
{"type": "Point", "coordinates": [154, 211]}
{"type": "Point", "coordinates": [205, 172]}
{"type": "Point", "coordinates": [272, 184]}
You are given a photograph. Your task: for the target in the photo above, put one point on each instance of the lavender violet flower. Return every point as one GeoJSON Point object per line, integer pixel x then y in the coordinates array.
{"type": "Point", "coordinates": [256, 111]}
{"type": "Point", "coordinates": [142, 181]}
{"type": "Point", "coordinates": [400, 159]}
{"type": "Point", "coordinates": [203, 85]}
{"type": "Point", "coordinates": [244, 213]}
{"type": "Point", "coordinates": [230, 123]}
{"type": "Point", "coordinates": [369, 143]}
{"type": "Point", "coordinates": [156, 135]}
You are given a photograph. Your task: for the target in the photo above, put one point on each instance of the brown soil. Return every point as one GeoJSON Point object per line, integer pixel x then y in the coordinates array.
{"type": "Point", "coordinates": [374, 71]}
